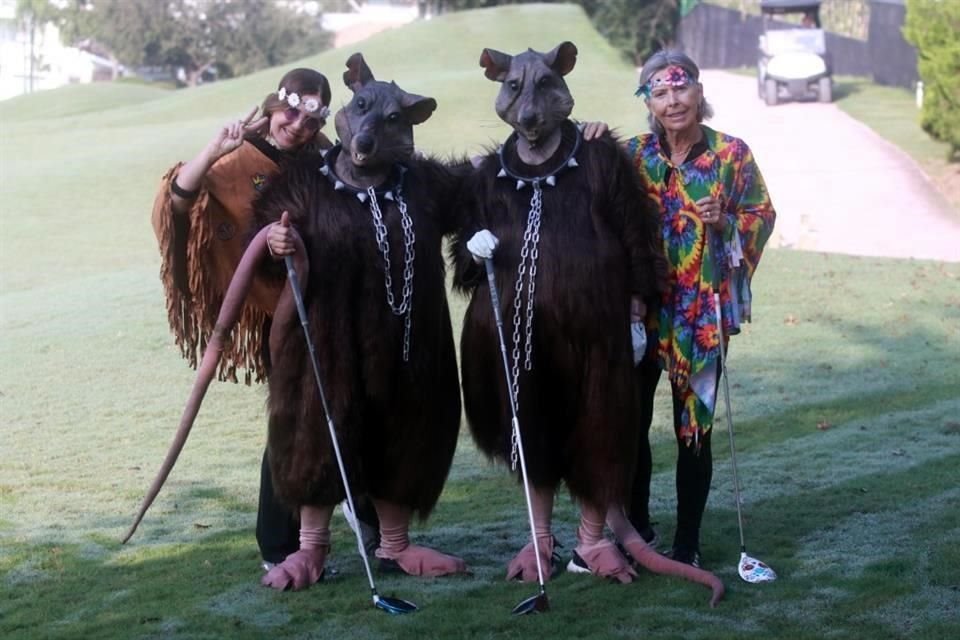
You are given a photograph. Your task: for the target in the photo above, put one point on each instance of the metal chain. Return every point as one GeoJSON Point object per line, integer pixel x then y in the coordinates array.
{"type": "Point", "coordinates": [528, 252]}
{"type": "Point", "coordinates": [409, 240]}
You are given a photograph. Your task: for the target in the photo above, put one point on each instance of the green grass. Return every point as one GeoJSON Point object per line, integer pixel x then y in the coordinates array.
{"type": "Point", "coordinates": [844, 400]}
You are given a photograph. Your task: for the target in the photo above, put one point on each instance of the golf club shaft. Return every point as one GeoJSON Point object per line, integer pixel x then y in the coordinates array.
{"type": "Point", "coordinates": [726, 397]}
{"type": "Point", "coordinates": [515, 422]}
{"type": "Point", "coordinates": [302, 313]}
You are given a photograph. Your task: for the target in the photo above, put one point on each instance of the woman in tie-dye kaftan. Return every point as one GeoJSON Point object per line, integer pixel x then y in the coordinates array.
{"type": "Point", "coordinates": [716, 218]}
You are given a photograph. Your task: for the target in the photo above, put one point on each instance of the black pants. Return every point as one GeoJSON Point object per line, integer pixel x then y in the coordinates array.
{"type": "Point", "coordinates": [694, 469]}
{"type": "Point", "coordinates": [278, 528]}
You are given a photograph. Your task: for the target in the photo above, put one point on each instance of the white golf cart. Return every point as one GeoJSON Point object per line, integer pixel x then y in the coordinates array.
{"type": "Point", "coordinates": [793, 61]}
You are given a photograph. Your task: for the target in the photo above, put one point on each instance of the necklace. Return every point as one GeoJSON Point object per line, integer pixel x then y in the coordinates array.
{"type": "Point", "coordinates": [369, 197]}
{"type": "Point", "coordinates": [679, 155]}
{"type": "Point", "coordinates": [527, 268]}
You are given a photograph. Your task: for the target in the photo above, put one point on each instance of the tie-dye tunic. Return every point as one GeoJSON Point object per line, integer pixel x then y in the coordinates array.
{"type": "Point", "coordinates": [688, 346]}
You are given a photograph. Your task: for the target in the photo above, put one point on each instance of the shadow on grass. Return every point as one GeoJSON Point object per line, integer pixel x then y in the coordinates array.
{"type": "Point", "coordinates": [846, 87]}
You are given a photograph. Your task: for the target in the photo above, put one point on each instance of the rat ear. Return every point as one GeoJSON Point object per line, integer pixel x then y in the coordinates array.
{"type": "Point", "coordinates": [417, 108]}
{"type": "Point", "coordinates": [358, 73]}
{"type": "Point", "coordinates": [563, 58]}
{"type": "Point", "coordinates": [496, 64]}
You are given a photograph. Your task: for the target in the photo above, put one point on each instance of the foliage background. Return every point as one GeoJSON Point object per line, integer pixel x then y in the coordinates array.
{"type": "Point", "coordinates": [934, 28]}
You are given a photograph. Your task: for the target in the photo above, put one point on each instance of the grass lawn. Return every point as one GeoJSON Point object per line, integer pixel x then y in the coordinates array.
{"type": "Point", "coordinates": [844, 398]}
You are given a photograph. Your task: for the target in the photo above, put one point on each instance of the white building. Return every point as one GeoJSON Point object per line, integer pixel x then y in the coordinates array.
{"type": "Point", "coordinates": [53, 64]}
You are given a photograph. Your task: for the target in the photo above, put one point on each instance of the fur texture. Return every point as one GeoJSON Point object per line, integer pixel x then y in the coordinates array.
{"type": "Point", "coordinates": [397, 422]}
{"type": "Point", "coordinates": [598, 246]}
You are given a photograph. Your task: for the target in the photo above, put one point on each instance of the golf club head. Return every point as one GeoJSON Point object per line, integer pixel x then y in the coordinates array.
{"type": "Point", "coordinates": [534, 604]}
{"type": "Point", "coordinates": [393, 606]}
{"type": "Point", "coordinates": [754, 571]}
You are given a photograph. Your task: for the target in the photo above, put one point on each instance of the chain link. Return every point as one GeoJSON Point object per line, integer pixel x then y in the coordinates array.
{"type": "Point", "coordinates": [529, 252]}
{"type": "Point", "coordinates": [405, 307]}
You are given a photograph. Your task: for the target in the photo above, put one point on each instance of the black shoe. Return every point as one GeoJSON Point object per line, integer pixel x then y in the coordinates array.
{"type": "Point", "coordinates": [650, 536]}
{"type": "Point", "coordinates": [686, 555]}
{"type": "Point", "coordinates": [577, 564]}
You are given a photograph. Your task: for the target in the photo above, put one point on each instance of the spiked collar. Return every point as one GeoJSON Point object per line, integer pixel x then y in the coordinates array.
{"type": "Point", "coordinates": [569, 160]}
{"type": "Point", "coordinates": [388, 189]}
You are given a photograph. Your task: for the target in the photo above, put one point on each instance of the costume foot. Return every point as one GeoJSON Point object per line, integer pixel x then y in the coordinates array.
{"type": "Point", "coordinates": [603, 559]}
{"type": "Point", "coordinates": [300, 570]}
{"type": "Point", "coordinates": [523, 567]}
{"type": "Point", "coordinates": [421, 561]}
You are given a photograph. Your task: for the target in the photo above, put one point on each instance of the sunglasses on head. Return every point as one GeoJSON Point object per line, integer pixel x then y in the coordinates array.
{"type": "Point", "coordinates": [310, 123]}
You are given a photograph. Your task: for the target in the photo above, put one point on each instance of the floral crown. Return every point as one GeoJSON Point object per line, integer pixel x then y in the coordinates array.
{"type": "Point", "coordinates": [676, 76]}
{"type": "Point", "coordinates": [310, 105]}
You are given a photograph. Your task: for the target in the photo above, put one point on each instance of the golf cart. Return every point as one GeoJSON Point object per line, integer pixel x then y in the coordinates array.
{"type": "Point", "coordinates": [793, 61]}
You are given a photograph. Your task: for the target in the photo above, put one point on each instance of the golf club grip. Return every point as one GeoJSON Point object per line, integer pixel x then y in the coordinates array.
{"type": "Point", "coordinates": [492, 282]}
{"type": "Point", "coordinates": [295, 287]}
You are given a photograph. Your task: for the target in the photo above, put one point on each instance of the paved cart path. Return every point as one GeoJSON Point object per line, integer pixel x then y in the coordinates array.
{"type": "Point", "coordinates": [836, 185]}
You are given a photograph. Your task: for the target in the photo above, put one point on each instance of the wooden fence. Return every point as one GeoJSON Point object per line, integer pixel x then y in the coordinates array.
{"type": "Point", "coordinates": [720, 38]}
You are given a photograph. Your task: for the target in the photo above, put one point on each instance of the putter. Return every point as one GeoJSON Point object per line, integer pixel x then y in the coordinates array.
{"type": "Point", "coordinates": [384, 603]}
{"type": "Point", "coordinates": [750, 569]}
{"type": "Point", "coordinates": [536, 603]}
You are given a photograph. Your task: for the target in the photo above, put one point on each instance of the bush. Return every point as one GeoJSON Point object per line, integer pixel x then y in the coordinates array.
{"type": "Point", "coordinates": [933, 27]}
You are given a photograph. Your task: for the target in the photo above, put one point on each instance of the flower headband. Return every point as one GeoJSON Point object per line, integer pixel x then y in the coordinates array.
{"type": "Point", "coordinates": [310, 105]}
{"type": "Point", "coordinates": [676, 76]}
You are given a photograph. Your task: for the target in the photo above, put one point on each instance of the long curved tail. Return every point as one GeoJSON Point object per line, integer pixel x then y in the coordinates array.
{"type": "Point", "coordinates": [229, 312]}
{"type": "Point", "coordinates": [649, 559]}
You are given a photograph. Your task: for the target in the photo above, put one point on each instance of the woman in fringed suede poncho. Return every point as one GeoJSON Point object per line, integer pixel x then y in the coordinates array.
{"type": "Point", "coordinates": [202, 216]}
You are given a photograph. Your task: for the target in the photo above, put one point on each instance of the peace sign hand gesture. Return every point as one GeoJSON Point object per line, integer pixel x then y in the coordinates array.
{"type": "Point", "coordinates": [230, 137]}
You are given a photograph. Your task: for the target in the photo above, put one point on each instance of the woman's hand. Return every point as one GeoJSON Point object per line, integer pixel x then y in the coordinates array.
{"type": "Point", "coordinates": [280, 237]}
{"type": "Point", "coordinates": [593, 130]}
{"type": "Point", "coordinates": [230, 137]}
{"type": "Point", "coordinates": [710, 210]}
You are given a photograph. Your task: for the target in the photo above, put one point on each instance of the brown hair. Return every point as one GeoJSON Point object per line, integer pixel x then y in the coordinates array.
{"type": "Point", "coordinates": [302, 81]}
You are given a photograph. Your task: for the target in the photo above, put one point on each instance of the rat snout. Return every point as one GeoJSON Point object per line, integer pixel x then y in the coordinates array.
{"type": "Point", "coordinates": [364, 143]}
{"type": "Point", "coordinates": [529, 118]}
{"type": "Point", "coordinates": [363, 148]}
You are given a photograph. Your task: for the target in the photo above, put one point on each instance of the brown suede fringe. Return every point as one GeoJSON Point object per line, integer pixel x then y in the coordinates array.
{"type": "Point", "coordinates": [193, 293]}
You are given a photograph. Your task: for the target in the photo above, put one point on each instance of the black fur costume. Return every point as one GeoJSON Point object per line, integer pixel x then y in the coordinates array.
{"type": "Point", "coordinates": [397, 422]}
{"type": "Point", "coordinates": [599, 243]}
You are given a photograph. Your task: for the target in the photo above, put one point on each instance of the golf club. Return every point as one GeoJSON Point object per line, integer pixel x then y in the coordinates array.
{"type": "Point", "coordinates": [539, 602]}
{"type": "Point", "coordinates": [390, 605]}
{"type": "Point", "coordinates": [750, 569]}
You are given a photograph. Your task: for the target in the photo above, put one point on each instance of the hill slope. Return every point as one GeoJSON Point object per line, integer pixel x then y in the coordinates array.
{"type": "Point", "coordinates": [82, 170]}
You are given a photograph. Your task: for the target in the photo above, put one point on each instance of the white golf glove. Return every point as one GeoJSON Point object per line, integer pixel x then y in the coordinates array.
{"type": "Point", "coordinates": [638, 334]}
{"type": "Point", "coordinates": [482, 245]}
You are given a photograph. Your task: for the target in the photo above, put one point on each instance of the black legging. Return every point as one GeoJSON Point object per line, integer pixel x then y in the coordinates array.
{"type": "Point", "coordinates": [694, 469]}
{"type": "Point", "coordinates": [278, 529]}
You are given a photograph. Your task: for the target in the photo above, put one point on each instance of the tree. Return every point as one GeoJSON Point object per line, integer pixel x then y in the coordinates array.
{"type": "Point", "coordinates": [232, 36]}
{"type": "Point", "coordinates": [34, 14]}
{"type": "Point", "coordinates": [637, 27]}
{"type": "Point", "coordinates": [933, 27]}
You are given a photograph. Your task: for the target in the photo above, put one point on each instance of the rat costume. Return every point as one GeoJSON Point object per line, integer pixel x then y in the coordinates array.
{"type": "Point", "coordinates": [377, 307]}
{"type": "Point", "coordinates": [576, 241]}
